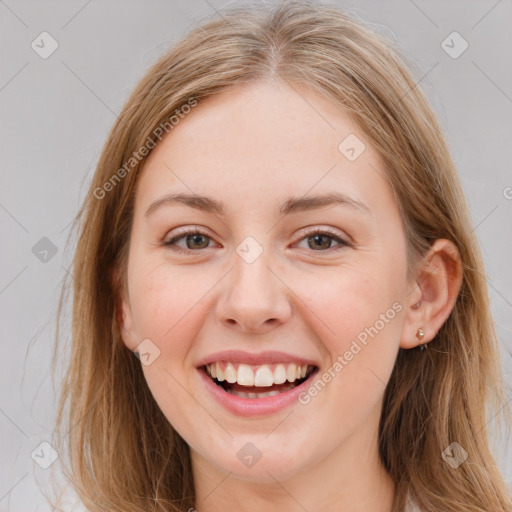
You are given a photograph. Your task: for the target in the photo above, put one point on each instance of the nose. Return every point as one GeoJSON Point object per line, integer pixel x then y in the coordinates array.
{"type": "Point", "coordinates": [255, 299]}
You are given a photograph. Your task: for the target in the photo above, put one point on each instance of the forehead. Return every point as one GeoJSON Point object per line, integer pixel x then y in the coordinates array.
{"type": "Point", "coordinates": [262, 142]}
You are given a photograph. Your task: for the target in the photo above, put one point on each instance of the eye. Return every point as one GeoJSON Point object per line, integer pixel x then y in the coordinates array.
{"type": "Point", "coordinates": [194, 240]}
{"type": "Point", "coordinates": [321, 240]}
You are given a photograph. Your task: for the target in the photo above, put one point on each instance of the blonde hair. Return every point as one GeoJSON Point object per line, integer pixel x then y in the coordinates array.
{"type": "Point", "coordinates": [124, 454]}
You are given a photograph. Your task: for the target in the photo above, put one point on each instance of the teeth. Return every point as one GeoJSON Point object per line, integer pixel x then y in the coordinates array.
{"type": "Point", "coordinates": [264, 376]}
{"type": "Point", "coordinates": [245, 375]}
{"type": "Point", "coordinates": [230, 373]}
{"type": "Point", "coordinates": [253, 395]}
{"type": "Point", "coordinates": [260, 376]}
{"type": "Point", "coordinates": [220, 372]}
{"type": "Point", "coordinates": [280, 374]}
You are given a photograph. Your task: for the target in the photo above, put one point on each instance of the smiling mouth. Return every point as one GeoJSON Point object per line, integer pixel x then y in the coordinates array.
{"type": "Point", "coordinates": [247, 381]}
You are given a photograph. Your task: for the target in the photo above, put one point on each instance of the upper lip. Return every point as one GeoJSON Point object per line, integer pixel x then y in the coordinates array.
{"type": "Point", "coordinates": [255, 358]}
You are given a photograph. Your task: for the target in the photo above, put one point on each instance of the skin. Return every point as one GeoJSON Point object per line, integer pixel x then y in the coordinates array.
{"type": "Point", "coordinates": [251, 148]}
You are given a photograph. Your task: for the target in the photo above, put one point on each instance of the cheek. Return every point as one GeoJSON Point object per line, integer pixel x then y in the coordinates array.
{"type": "Point", "coordinates": [167, 304]}
{"type": "Point", "coordinates": [343, 302]}
{"type": "Point", "coordinates": [167, 307]}
{"type": "Point", "coordinates": [358, 318]}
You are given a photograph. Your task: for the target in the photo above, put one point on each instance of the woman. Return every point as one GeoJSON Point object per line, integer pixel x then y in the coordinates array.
{"type": "Point", "coordinates": [276, 230]}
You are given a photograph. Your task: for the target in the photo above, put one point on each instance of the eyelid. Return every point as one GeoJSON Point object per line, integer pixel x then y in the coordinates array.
{"type": "Point", "coordinates": [188, 230]}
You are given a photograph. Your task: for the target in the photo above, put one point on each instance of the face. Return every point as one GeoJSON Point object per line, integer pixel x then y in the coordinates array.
{"type": "Point", "coordinates": [262, 279]}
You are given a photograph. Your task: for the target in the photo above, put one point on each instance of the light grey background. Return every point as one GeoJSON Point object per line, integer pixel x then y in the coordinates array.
{"type": "Point", "coordinates": [56, 113]}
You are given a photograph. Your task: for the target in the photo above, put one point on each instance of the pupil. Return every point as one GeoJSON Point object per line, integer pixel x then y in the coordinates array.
{"type": "Point", "coordinates": [318, 238]}
{"type": "Point", "coordinates": [196, 239]}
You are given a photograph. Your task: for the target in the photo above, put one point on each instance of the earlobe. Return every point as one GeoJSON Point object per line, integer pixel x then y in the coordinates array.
{"type": "Point", "coordinates": [125, 323]}
{"type": "Point", "coordinates": [124, 316]}
{"type": "Point", "coordinates": [437, 285]}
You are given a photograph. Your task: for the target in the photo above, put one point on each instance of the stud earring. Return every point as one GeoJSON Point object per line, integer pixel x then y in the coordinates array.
{"type": "Point", "coordinates": [420, 334]}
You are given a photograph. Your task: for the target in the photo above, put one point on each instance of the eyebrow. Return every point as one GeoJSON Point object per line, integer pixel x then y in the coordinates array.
{"type": "Point", "coordinates": [291, 205]}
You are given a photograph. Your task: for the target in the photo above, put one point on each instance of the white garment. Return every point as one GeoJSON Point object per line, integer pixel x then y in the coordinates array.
{"type": "Point", "coordinates": [411, 505]}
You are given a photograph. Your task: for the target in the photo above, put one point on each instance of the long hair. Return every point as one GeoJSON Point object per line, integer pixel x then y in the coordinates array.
{"type": "Point", "coordinates": [123, 453]}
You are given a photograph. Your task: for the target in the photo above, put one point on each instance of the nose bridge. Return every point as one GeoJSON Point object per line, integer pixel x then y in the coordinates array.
{"type": "Point", "coordinates": [254, 297]}
{"type": "Point", "coordinates": [252, 275]}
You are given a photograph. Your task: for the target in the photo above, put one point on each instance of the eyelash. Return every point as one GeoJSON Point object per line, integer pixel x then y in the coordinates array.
{"type": "Point", "coordinates": [324, 231]}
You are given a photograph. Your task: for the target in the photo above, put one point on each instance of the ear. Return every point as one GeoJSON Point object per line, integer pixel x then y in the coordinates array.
{"type": "Point", "coordinates": [123, 311]}
{"type": "Point", "coordinates": [433, 293]}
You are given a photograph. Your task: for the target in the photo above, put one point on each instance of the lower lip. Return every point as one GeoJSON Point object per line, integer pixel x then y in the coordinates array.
{"type": "Point", "coordinates": [254, 406]}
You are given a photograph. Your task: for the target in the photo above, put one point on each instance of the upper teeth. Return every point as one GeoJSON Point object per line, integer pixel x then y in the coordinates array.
{"type": "Point", "coordinates": [261, 375]}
